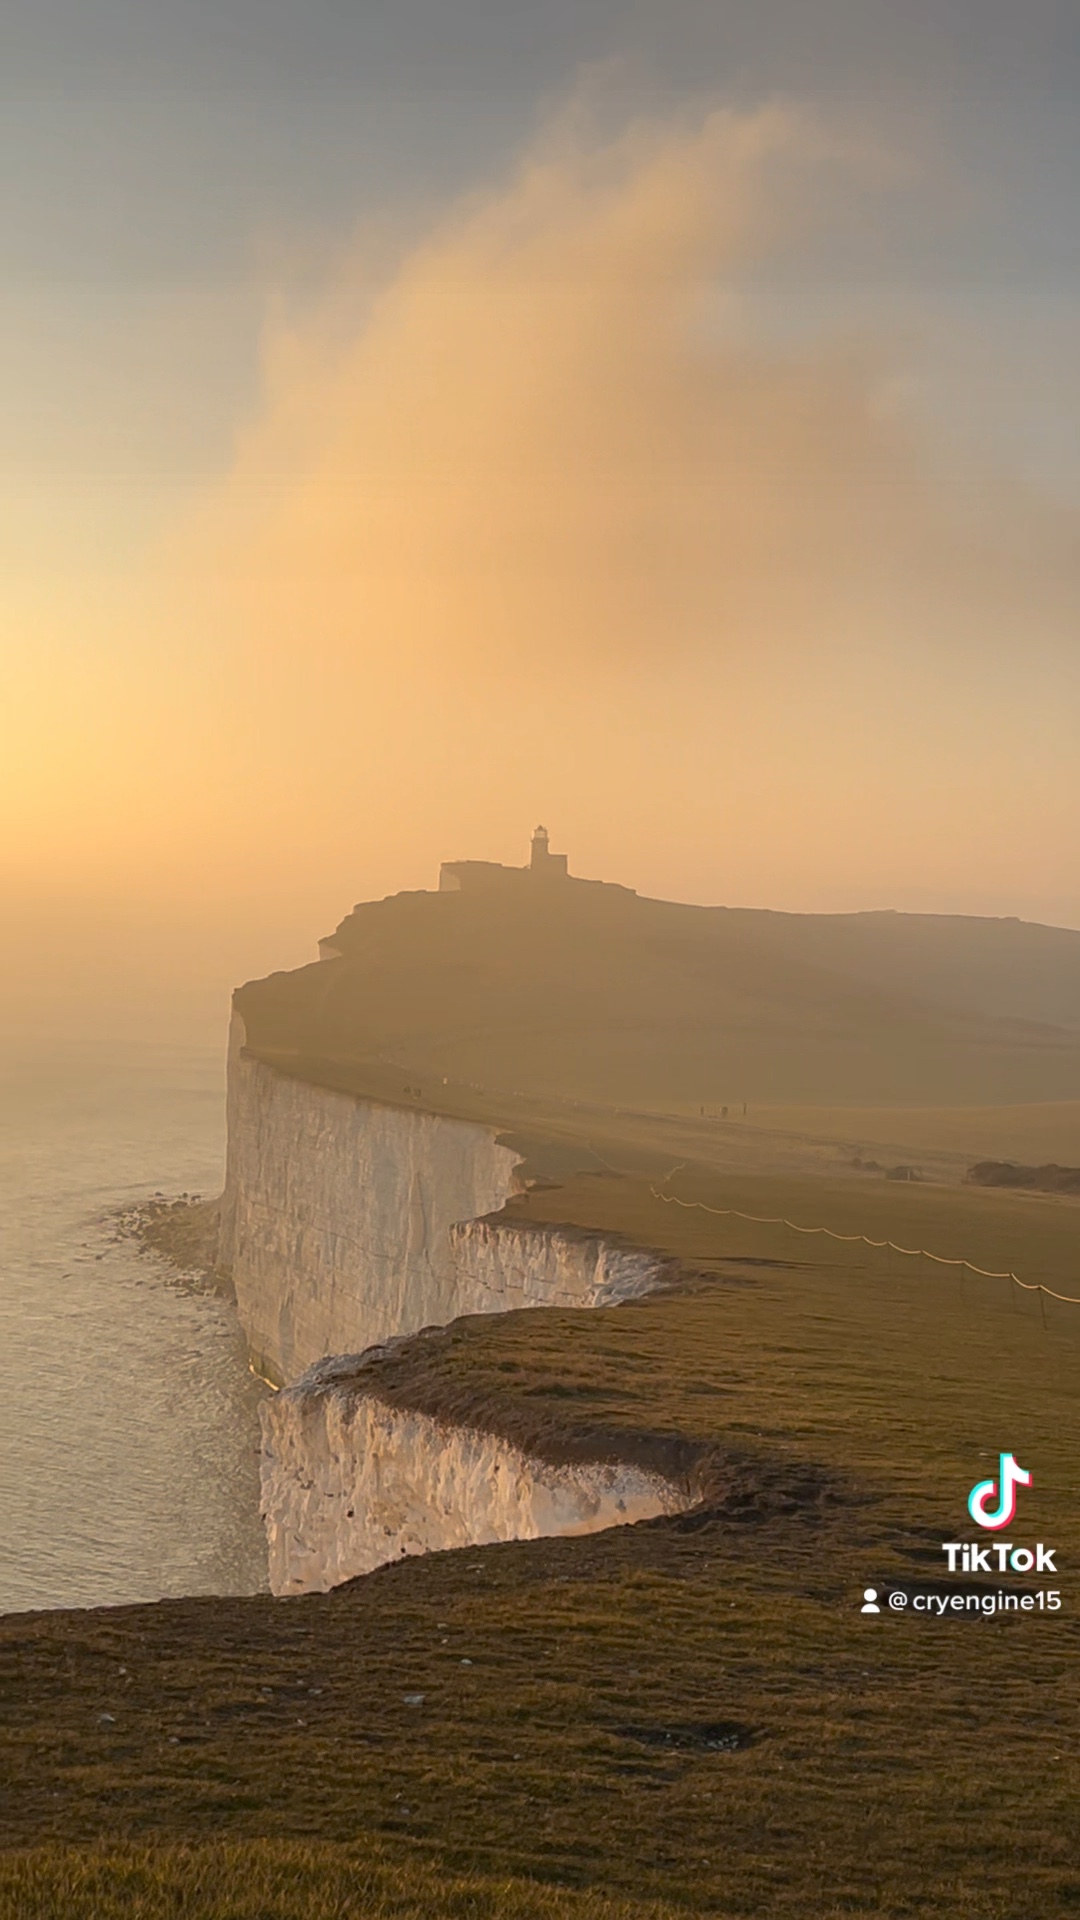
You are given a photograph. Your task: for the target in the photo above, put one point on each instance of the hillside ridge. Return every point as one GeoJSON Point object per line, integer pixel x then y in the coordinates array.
{"type": "Point", "coordinates": [584, 990]}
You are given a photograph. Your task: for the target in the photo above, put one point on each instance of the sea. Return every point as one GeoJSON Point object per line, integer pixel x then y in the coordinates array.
{"type": "Point", "coordinates": [128, 1415]}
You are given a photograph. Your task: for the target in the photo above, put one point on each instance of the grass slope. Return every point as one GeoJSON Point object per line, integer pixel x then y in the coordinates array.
{"type": "Point", "coordinates": [277, 1880]}
{"type": "Point", "coordinates": [694, 1711]}
{"type": "Point", "coordinates": [688, 1716]}
{"type": "Point", "coordinates": [585, 991]}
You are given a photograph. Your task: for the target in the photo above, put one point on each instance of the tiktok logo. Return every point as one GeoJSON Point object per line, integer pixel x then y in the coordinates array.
{"type": "Point", "coordinates": [992, 1504]}
{"type": "Point", "coordinates": [1010, 1476]}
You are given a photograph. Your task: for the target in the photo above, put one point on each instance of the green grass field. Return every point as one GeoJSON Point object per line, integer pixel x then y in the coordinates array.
{"type": "Point", "coordinates": [692, 1712]}
{"type": "Point", "coordinates": [1032, 1133]}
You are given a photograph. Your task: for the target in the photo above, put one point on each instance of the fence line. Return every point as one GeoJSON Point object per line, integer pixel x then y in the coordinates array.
{"type": "Point", "coordinates": [914, 1253]}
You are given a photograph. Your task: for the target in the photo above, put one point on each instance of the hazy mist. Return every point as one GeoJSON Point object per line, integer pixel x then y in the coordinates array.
{"type": "Point", "coordinates": [542, 508]}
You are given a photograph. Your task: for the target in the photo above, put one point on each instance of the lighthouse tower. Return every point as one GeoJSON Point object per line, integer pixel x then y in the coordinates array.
{"type": "Point", "coordinates": [550, 866]}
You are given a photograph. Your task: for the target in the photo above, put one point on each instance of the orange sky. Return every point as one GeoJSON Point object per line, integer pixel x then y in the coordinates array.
{"type": "Point", "coordinates": [529, 521]}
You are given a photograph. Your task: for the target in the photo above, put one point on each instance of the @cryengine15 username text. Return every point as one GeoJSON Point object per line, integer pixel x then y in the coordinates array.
{"type": "Point", "coordinates": [901, 1600]}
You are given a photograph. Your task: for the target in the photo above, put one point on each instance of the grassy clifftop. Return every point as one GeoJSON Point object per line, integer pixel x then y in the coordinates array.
{"type": "Point", "coordinates": [693, 1712]}
{"type": "Point", "coordinates": [692, 1715]}
{"type": "Point", "coordinates": [581, 991]}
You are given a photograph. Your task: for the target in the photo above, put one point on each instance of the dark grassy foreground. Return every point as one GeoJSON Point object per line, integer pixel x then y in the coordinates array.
{"type": "Point", "coordinates": [690, 1712]}
{"type": "Point", "coordinates": [279, 1880]}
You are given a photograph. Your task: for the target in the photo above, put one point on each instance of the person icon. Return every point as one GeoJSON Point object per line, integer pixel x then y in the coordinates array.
{"type": "Point", "coordinates": [870, 1599]}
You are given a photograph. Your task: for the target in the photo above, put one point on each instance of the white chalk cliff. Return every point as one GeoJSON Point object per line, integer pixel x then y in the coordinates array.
{"type": "Point", "coordinates": [337, 1212]}
{"type": "Point", "coordinates": [349, 1483]}
{"type": "Point", "coordinates": [501, 1264]}
{"type": "Point", "coordinates": [346, 1223]}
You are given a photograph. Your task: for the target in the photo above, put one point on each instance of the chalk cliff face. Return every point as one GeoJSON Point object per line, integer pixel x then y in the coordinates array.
{"type": "Point", "coordinates": [337, 1212]}
{"type": "Point", "coordinates": [349, 1483]}
{"type": "Point", "coordinates": [344, 1224]}
{"type": "Point", "coordinates": [512, 1263]}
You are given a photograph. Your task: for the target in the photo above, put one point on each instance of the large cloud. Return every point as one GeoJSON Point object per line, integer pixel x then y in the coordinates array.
{"type": "Point", "coordinates": [534, 518]}
{"type": "Point", "coordinates": [544, 434]}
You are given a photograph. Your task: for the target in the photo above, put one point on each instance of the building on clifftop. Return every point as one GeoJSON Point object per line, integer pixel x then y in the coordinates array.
{"type": "Point", "coordinates": [460, 876]}
{"type": "Point", "coordinates": [550, 866]}
{"type": "Point", "coordinates": [545, 880]}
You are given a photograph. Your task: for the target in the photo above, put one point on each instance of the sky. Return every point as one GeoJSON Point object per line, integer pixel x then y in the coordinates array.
{"type": "Point", "coordinates": [423, 420]}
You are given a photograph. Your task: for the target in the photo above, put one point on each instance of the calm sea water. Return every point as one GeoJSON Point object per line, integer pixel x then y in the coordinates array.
{"type": "Point", "coordinates": [128, 1417]}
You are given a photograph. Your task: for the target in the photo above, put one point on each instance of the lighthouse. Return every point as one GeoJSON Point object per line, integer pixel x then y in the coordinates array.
{"type": "Point", "coordinates": [481, 876]}
{"type": "Point", "coordinates": [550, 866]}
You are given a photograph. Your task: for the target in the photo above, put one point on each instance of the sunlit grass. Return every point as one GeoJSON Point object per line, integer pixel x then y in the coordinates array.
{"type": "Point", "coordinates": [276, 1880]}
{"type": "Point", "coordinates": [885, 1767]}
